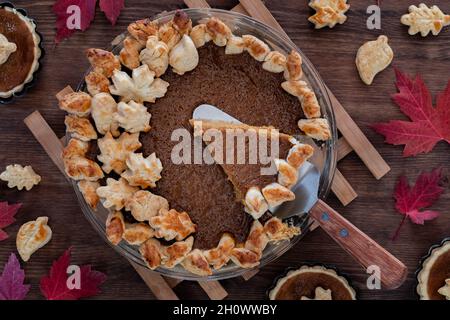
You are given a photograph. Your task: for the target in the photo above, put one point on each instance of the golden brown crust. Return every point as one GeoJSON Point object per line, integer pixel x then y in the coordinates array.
{"type": "Point", "coordinates": [293, 70]}
{"type": "Point", "coordinates": [298, 154]}
{"type": "Point", "coordinates": [129, 55]}
{"type": "Point", "coordinates": [32, 236]}
{"type": "Point", "coordinates": [276, 230]}
{"type": "Point", "coordinates": [245, 258]}
{"type": "Point", "coordinates": [196, 263]}
{"type": "Point", "coordinates": [175, 253]}
{"type": "Point", "coordinates": [115, 193]}
{"type": "Point", "coordinates": [89, 191]}
{"type": "Point", "coordinates": [114, 152]}
{"type": "Point", "coordinates": [200, 35]}
{"type": "Point", "coordinates": [256, 47]}
{"type": "Point", "coordinates": [275, 194]}
{"type": "Point", "coordinates": [142, 29]}
{"type": "Point", "coordinates": [257, 239]}
{"type": "Point", "coordinates": [103, 61]}
{"type": "Point", "coordinates": [137, 233]}
{"type": "Point", "coordinates": [274, 62]}
{"type": "Point", "coordinates": [115, 227]}
{"type": "Point", "coordinates": [287, 174]}
{"type": "Point", "coordinates": [318, 129]}
{"type": "Point", "coordinates": [151, 253]}
{"type": "Point", "coordinates": [96, 83]}
{"type": "Point", "coordinates": [142, 172]}
{"type": "Point", "coordinates": [155, 55]}
{"type": "Point", "coordinates": [143, 205]}
{"type": "Point", "coordinates": [307, 97]}
{"type": "Point", "coordinates": [328, 12]}
{"type": "Point", "coordinates": [219, 31]}
{"type": "Point", "coordinates": [80, 128]}
{"type": "Point", "coordinates": [172, 225]}
{"type": "Point", "coordinates": [77, 103]}
{"type": "Point", "coordinates": [220, 255]}
{"type": "Point", "coordinates": [182, 23]}
{"type": "Point", "coordinates": [77, 166]}
{"type": "Point", "coordinates": [20, 177]}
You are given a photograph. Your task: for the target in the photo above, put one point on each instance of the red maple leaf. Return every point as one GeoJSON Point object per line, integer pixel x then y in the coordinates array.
{"type": "Point", "coordinates": [428, 124]}
{"type": "Point", "coordinates": [69, 13]}
{"type": "Point", "coordinates": [7, 213]}
{"type": "Point", "coordinates": [112, 9]}
{"type": "Point", "coordinates": [409, 201]}
{"type": "Point", "coordinates": [55, 286]}
{"type": "Point", "coordinates": [11, 281]}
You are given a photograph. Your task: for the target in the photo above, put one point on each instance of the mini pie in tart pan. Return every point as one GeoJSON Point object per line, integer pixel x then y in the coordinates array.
{"type": "Point", "coordinates": [311, 282]}
{"type": "Point", "coordinates": [195, 221]}
{"type": "Point", "coordinates": [433, 275]}
{"type": "Point", "coordinates": [20, 54]}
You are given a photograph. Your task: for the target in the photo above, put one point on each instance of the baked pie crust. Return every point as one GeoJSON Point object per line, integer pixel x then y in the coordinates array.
{"type": "Point", "coordinates": [434, 273]}
{"type": "Point", "coordinates": [20, 52]}
{"type": "Point", "coordinates": [118, 105]}
{"type": "Point", "coordinates": [313, 283]}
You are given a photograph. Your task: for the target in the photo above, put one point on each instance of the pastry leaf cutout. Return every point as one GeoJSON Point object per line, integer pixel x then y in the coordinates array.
{"type": "Point", "coordinates": [428, 124]}
{"type": "Point", "coordinates": [410, 200]}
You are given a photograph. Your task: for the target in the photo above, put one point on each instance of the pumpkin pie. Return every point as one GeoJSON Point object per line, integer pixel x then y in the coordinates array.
{"type": "Point", "coordinates": [20, 51]}
{"type": "Point", "coordinates": [137, 102]}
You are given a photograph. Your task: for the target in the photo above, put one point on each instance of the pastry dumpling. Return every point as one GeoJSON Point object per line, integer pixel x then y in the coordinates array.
{"type": "Point", "coordinates": [32, 236]}
{"type": "Point", "coordinates": [372, 58]}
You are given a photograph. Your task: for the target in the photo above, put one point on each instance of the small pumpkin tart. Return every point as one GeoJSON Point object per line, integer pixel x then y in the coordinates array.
{"type": "Point", "coordinates": [312, 283]}
{"type": "Point", "coordinates": [433, 276]}
{"type": "Point", "coordinates": [20, 51]}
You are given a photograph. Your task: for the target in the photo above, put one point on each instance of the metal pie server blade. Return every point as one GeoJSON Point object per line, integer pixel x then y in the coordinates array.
{"type": "Point", "coordinates": [307, 186]}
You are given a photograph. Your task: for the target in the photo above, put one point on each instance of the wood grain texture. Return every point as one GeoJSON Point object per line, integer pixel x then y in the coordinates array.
{"type": "Point", "coordinates": [333, 53]}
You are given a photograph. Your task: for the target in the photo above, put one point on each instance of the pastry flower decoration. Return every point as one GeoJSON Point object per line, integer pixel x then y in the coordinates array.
{"type": "Point", "coordinates": [172, 225]}
{"type": "Point", "coordinates": [142, 172]}
{"type": "Point", "coordinates": [445, 290]}
{"type": "Point", "coordinates": [425, 20]}
{"type": "Point", "coordinates": [103, 108]}
{"type": "Point", "coordinates": [133, 117]}
{"type": "Point", "coordinates": [20, 177]}
{"type": "Point", "coordinates": [141, 87]}
{"type": "Point", "coordinates": [320, 294]}
{"type": "Point", "coordinates": [32, 236]}
{"type": "Point", "coordinates": [114, 152]}
{"type": "Point", "coordinates": [6, 48]}
{"type": "Point", "coordinates": [328, 12]}
{"type": "Point", "coordinates": [115, 193]}
{"type": "Point", "coordinates": [184, 56]}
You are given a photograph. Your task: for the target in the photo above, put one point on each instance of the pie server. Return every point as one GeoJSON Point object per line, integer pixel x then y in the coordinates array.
{"type": "Point", "coordinates": [377, 260]}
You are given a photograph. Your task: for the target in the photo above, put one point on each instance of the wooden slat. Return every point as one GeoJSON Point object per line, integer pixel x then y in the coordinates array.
{"type": "Point", "coordinates": [343, 148]}
{"type": "Point", "coordinates": [357, 140]}
{"type": "Point", "coordinates": [239, 8]}
{"type": "Point", "coordinates": [196, 4]}
{"type": "Point", "coordinates": [155, 282]}
{"type": "Point", "coordinates": [172, 282]}
{"type": "Point", "coordinates": [258, 10]}
{"type": "Point", "coordinates": [342, 189]}
{"type": "Point", "coordinates": [250, 274]}
{"type": "Point", "coordinates": [213, 289]}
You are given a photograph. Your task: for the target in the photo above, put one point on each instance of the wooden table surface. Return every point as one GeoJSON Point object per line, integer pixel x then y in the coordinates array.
{"type": "Point", "coordinates": [333, 52]}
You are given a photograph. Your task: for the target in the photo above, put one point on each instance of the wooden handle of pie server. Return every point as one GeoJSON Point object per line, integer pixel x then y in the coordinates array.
{"type": "Point", "coordinates": [360, 246]}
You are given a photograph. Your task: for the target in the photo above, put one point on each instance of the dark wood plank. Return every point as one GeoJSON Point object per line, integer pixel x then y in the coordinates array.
{"type": "Point", "coordinates": [333, 53]}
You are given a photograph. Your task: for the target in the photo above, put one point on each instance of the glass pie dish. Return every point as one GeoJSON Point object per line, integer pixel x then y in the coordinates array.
{"type": "Point", "coordinates": [324, 158]}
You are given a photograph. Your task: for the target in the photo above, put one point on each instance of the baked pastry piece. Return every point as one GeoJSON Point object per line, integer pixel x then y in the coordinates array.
{"type": "Point", "coordinates": [425, 19]}
{"type": "Point", "coordinates": [76, 103]}
{"type": "Point", "coordinates": [220, 255]}
{"type": "Point", "coordinates": [318, 129]}
{"type": "Point", "coordinates": [80, 128]}
{"type": "Point", "coordinates": [115, 193]}
{"type": "Point", "coordinates": [171, 224]}
{"type": "Point", "coordinates": [19, 51]}
{"type": "Point", "coordinates": [256, 190]}
{"type": "Point", "coordinates": [32, 236]}
{"type": "Point", "coordinates": [328, 12]}
{"type": "Point", "coordinates": [77, 165]}
{"type": "Point", "coordinates": [133, 117]}
{"type": "Point", "coordinates": [144, 205]}
{"type": "Point", "coordinates": [196, 263]}
{"type": "Point", "coordinates": [155, 55]}
{"type": "Point", "coordinates": [434, 273]}
{"type": "Point", "coordinates": [142, 172]}
{"type": "Point", "coordinates": [312, 283]}
{"type": "Point", "coordinates": [89, 191]}
{"type": "Point", "coordinates": [372, 58]}
{"type": "Point", "coordinates": [20, 177]}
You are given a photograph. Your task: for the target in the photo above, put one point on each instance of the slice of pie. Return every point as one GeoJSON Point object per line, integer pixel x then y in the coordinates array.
{"type": "Point", "coordinates": [260, 162]}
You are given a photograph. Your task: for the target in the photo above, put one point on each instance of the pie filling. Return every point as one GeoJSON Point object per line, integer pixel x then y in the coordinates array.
{"type": "Point", "coordinates": [187, 210]}
{"type": "Point", "coordinates": [439, 272]}
{"type": "Point", "coordinates": [16, 70]}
